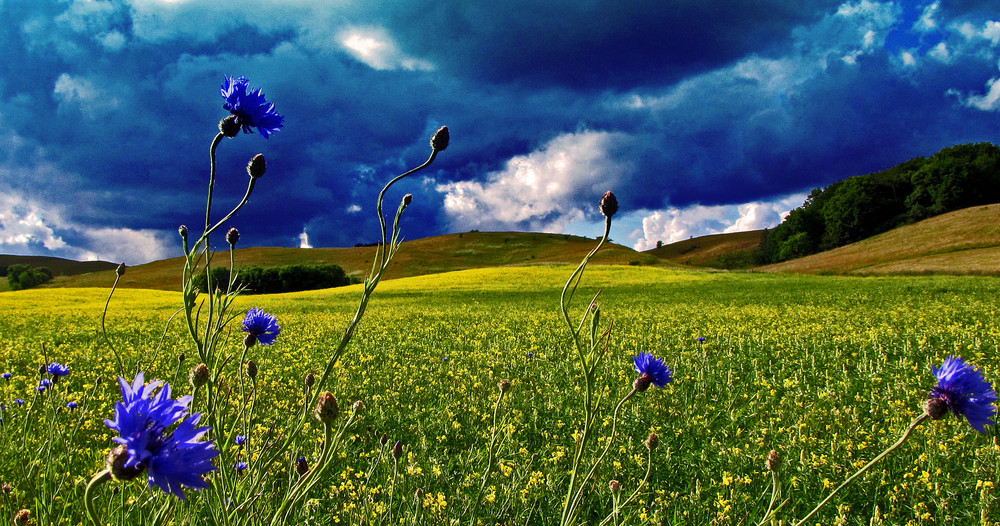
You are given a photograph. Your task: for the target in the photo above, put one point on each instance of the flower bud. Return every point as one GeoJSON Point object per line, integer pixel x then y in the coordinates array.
{"type": "Point", "coordinates": [249, 340]}
{"type": "Point", "coordinates": [233, 236]}
{"type": "Point", "coordinates": [383, 439]}
{"type": "Point", "coordinates": [397, 450]}
{"type": "Point", "coordinates": [309, 380]}
{"type": "Point", "coordinates": [115, 463]}
{"type": "Point", "coordinates": [229, 126]}
{"type": "Point", "coordinates": [23, 517]}
{"type": "Point", "coordinates": [6, 488]}
{"type": "Point", "coordinates": [439, 141]}
{"type": "Point", "coordinates": [327, 409]}
{"type": "Point", "coordinates": [256, 166]}
{"type": "Point", "coordinates": [652, 441]}
{"type": "Point", "coordinates": [181, 357]}
{"type": "Point", "coordinates": [407, 199]}
{"type": "Point", "coordinates": [419, 494]}
{"type": "Point", "coordinates": [504, 385]}
{"type": "Point", "coordinates": [935, 408]}
{"type": "Point", "coordinates": [614, 486]}
{"type": "Point", "coordinates": [609, 204]}
{"type": "Point", "coordinates": [120, 271]}
{"type": "Point", "coordinates": [183, 231]}
{"type": "Point", "coordinates": [199, 375]}
{"type": "Point", "coordinates": [301, 466]}
{"type": "Point", "coordinates": [773, 461]}
{"type": "Point", "coordinates": [251, 369]}
{"type": "Point", "coordinates": [358, 407]}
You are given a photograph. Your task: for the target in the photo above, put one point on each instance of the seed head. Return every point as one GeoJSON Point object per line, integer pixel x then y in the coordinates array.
{"type": "Point", "coordinates": [256, 166]}
{"type": "Point", "coordinates": [23, 517]}
{"type": "Point", "coordinates": [233, 236]}
{"type": "Point", "coordinates": [358, 407]}
{"type": "Point", "coordinates": [199, 375]}
{"type": "Point", "coordinates": [115, 462]}
{"type": "Point", "coordinates": [652, 441]}
{"type": "Point", "coordinates": [5, 488]}
{"type": "Point", "coordinates": [439, 141]}
{"type": "Point", "coordinates": [614, 486]}
{"type": "Point", "coordinates": [504, 385]}
{"type": "Point", "coordinates": [251, 369]}
{"type": "Point", "coordinates": [327, 409]}
{"type": "Point", "coordinates": [773, 461]}
{"type": "Point", "coordinates": [609, 204]}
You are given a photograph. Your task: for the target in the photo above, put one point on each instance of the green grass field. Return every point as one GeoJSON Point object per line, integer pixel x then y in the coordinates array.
{"type": "Point", "coordinates": [827, 370]}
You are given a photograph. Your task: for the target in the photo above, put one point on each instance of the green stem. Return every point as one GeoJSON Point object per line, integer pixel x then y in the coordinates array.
{"type": "Point", "coordinates": [104, 331]}
{"type": "Point", "coordinates": [906, 434]}
{"type": "Point", "coordinates": [490, 457]}
{"type": "Point", "coordinates": [98, 479]}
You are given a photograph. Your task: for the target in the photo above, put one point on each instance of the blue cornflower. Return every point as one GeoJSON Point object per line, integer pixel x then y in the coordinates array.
{"type": "Point", "coordinates": [250, 107]}
{"type": "Point", "coordinates": [260, 327]}
{"type": "Point", "coordinates": [57, 369]}
{"type": "Point", "coordinates": [239, 440]}
{"type": "Point", "coordinates": [240, 466]}
{"type": "Point", "coordinates": [5, 376]}
{"type": "Point", "coordinates": [701, 339]}
{"type": "Point", "coordinates": [72, 405]}
{"type": "Point", "coordinates": [18, 401]}
{"type": "Point", "coordinates": [161, 437]}
{"type": "Point", "coordinates": [966, 392]}
{"type": "Point", "coordinates": [651, 371]}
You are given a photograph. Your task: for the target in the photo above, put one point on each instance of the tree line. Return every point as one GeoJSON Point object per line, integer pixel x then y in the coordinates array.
{"type": "Point", "coordinates": [271, 280]}
{"type": "Point", "coordinates": [21, 276]}
{"type": "Point", "coordinates": [859, 207]}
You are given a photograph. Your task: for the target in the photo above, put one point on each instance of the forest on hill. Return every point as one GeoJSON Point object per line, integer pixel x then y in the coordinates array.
{"type": "Point", "coordinates": [862, 206]}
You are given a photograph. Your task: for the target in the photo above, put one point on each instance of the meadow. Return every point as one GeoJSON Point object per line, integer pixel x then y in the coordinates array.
{"type": "Point", "coordinates": [826, 370]}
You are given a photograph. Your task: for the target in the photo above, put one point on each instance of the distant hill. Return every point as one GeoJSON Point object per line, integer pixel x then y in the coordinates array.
{"type": "Point", "coordinates": [59, 266]}
{"type": "Point", "coordinates": [418, 257]}
{"type": "Point", "coordinates": [731, 250]}
{"type": "Point", "coordinates": [966, 241]}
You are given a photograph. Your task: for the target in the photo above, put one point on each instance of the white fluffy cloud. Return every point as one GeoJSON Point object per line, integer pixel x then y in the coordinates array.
{"type": "Point", "coordinates": [30, 227]}
{"type": "Point", "coordinates": [677, 224]}
{"type": "Point", "coordinates": [535, 191]}
{"type": "Point", "coordinates": [83, 95]}
{"type": "Point", "coordinates": [375, 48]}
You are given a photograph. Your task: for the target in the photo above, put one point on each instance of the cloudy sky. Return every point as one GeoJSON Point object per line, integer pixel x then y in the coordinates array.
{"type": "Point", "coordinates": [702, 116]}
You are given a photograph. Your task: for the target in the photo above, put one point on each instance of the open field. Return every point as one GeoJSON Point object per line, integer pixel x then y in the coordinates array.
{"type": "Point", "coordinates": [828, 370]}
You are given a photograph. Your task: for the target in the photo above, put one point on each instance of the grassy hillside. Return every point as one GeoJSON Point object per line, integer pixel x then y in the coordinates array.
{"type": "Point", "coordinates": [705, 251]}
{"type": "Point", "coordinates": [59, 266]}
{"type": "Point", "coordinates": [418, 257]}
{"type": "Point", "coordinates": [962, 242]}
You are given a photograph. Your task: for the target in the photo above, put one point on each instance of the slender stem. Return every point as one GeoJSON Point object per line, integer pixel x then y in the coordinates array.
{"type": "Point", "coordinates": [211, 178]}
{"type": "Point", "coordinates": [645, 479]}
{"type": "Point", "coordinates": [104, 331]}
{"type": "Point", "coordinates": [98, 479]}
{"type": "Point", "coordinates": [906, 434]}
{"type": "Point", "coordinates": [490, 457]}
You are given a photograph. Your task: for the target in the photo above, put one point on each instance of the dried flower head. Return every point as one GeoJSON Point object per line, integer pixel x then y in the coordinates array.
{"type": "Point", "coordinates": [652, 441]}
{"type": "Point", "coordinates": [965, 391]}
{"type": "Point", "coordinates": [504, 385]}
{"type": "Point", "coordinates": [22, 518]}
{"type": "Point", "coordinates": [358, 407]}
{"type": "Point", "coordinates": [773, 461]}
{"type": "Point", "coordinates": [440, 139]}
{"type": "Point", "coordinates": [614, 486]}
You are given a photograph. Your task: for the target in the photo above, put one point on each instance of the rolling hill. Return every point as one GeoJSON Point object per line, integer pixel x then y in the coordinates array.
{"type": "Point", "coordinates": [59, 266]}
{"type": "Point", "coordinates": [966, 241]}
{"type": "Point", "coordinates": [705, 251]}
{"type": "Point", "coordinates": [418, 257]}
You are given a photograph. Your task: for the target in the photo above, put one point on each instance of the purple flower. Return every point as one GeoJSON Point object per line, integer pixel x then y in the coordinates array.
{"type": "Point", "coordinates": [240, 466]}
{"type": "Point", "coordinates": [72, 405]}
{"type": "Point", "coordinates": [5, 376]}
{"type": "Point", "coordinates": [161, 437]}
{"type": "Point", "coordinates": [966, 392]}
{"type": "Point", "coordinates": [44, 382]}
{"type": "Point", "coordinates": [250, 107]}
{"type": "Point", "coordinates": [651, 371]}
{"type": "Point", "coordinates": [239, 440]}
{"type": "Point", "coordinates": [701, 339]}
{"type": "Point", "coordinates": [260, 327]}
{"type": "Point", "coordinates": [18, 401]}
{"type": "Point", "coordinates": [57, 369]}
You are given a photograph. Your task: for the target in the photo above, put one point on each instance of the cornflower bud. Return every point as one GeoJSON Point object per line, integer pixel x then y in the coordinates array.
{"type": "Point", "coordinates": [181, 357]}
{"type": "Point", "coordinates": [251, 369]}
{"type": "Point", "coordinates": [407, 199]}
{"type": "Point", "coordinates": [301, 466]}
{"type": "Point", "coordinates": [309, 380]}
{"type": "Point", "coordinates": [233, 236]}
{"type": "Point", "coordinates": [256, 166]}
{"type": "Point", "coordinates": [183, 231]}
{"type": "Point", "coordinates": [23, 517]}
{"type": "Point", "coordinates": [199, 375]}
{"type": "Point", "coordinates": [120, 271]}
{"type": "Point", "coordinates": [614, 486]}
{"type": "Point", "coordinates": [642, 382]}
{"type": "Point", "coordinates": [115, 463]}
{"type": "Point", "coordinates": [229, 127]}
{"type": "Point", "coordinates": [652, 441]}
{"type": "Point", "coordinates": [327, 409]}
{"type": "Point", "coordinates": [383, 439]}
{"type": "Point", "coordinates": [439, 141]}
{"type": "Point", "coordinates": [935, 408]}
{"type": "Point", "coordinates": [419, 494]}
{"type": "Point", "coordinates": [358, 407]}
{"type": "Point", "coordinates": [397, 450]}
{"type": "Point", "coordinates": [773, 461]}
{"type": "Point", "coordinates": [6, 488]}
{"type": "Point", "coordinates": [609, 204]}
{"type": "Point", "coordinates": [504, 385]}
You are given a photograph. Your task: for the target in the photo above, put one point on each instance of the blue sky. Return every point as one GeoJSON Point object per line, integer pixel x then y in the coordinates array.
{"type": "Point", "coordinates": [702, 117]}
